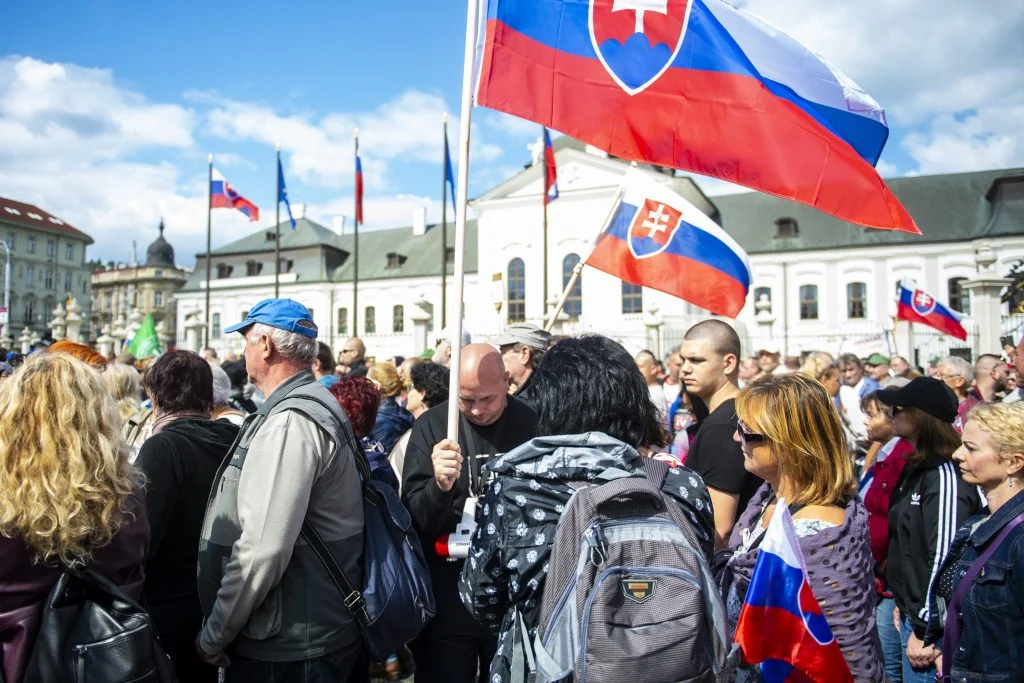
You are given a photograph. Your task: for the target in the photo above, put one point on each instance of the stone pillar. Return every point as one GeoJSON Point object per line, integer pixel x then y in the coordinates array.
{"type": "Point", "coordinates": [74, 322]}
{"type": "Point", "coordinates": [653, 322]}
{"type": "Point", "coordinates": [420, 318]}
{"type": "Point", "coordinates": [118, 332]}
{"type": "Point", "coordinates": [764, 319]}
{"type": "Point", "coordinates": [162, 334]}
{"type": "Point", "coordinates": [35, 339]}
{"type": "Point", "coordinates": [985, 289]}
{"type": "Point", "coordinates": [6, 341]}
{"type": "Point", "coordinates": [25, 340]}
{"type": "Point", "coordinates": [194, 327]}
{"type": "Point", "coordinates": [134, 323]}
{"type": "Point", "coordinates": [105, 343]}
{"type": "Point", "coordinates": [58, 326]}
{"type": "Point", "coordinates": [903, 332]}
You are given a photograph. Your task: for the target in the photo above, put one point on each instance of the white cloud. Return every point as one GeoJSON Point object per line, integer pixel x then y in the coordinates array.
{"type": "Point", "coordinates": [990, 138]}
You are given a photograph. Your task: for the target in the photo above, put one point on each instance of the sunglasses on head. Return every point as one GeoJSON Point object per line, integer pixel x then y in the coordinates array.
{"type": "Point", "coordinates": [746, 436]}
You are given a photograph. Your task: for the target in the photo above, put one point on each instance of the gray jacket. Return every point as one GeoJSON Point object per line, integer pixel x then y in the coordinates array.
{"type": "Point", "coordinates": [263, 591]}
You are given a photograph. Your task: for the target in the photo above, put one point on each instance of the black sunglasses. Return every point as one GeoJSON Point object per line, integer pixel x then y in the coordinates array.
{"type": "Point", "coordinates": [748, 437]}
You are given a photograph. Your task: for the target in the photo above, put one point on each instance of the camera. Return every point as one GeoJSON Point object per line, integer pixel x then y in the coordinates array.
{"type": "Point", "coordinates": [455, 546]}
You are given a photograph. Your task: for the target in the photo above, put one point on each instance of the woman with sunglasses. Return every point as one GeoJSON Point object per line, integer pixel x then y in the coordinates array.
{"type": "Point", "coordinates": [928, 506]}
{"type": "Point", "coordinates": [791, 436]}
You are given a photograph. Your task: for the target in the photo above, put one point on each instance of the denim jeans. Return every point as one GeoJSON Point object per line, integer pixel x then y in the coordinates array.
{"type": "Point", "coordinates": [910, 674]}
{"type": "Point", "coordinates": [892, 644]}
{"type": "Point", "coordinates": [333, 668]}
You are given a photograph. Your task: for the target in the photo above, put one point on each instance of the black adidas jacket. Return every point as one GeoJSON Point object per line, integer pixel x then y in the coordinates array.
{"type": "Point", "coordinates": [930, 503]}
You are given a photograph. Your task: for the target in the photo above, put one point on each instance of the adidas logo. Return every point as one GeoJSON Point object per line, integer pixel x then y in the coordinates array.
{"type": "Point", "coordinates": [915, 499]}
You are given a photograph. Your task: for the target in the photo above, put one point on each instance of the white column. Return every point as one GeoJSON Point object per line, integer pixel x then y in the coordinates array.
{"type": "Point", "coordinates": [653, 321]}
{"type": "Point", "coordinates": [105, 343]}
{"type": "Point", "coordinates": [985, 289]}
{"type": "Point", "coordinates": [764, 319]}
{"type": "Point", "coordinates": [420, 318]}
{"type": "Point", "coordinates": [74, 322]}
{"type": "Point", "coordinates": [58, 328]}
{"type": "Point", "coordinates": [25, 340]}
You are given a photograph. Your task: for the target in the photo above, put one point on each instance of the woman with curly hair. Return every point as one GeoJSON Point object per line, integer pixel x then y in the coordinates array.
{"type": "Point", "coordinates": [392, 419]}
{"type": "Point", "coordinates": [68, 495]}
{"type": "Point", "coordinates": [360, 399]}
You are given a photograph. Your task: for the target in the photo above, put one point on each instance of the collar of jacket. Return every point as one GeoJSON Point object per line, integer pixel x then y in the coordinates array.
{"type": "Point", "coordinates": [996, 522]}
{"type": "Point", "coordinates": [567, 456]}
{"type": "Point", "coordinates": [285, 388]}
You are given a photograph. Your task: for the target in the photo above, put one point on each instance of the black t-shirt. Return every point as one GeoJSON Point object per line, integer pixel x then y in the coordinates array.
{"type": "Point", "coordinates": [716, 456]}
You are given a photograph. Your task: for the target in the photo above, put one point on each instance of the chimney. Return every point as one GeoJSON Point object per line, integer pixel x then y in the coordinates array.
{"type": "Point", "coordinates": [338, 224]}
{"type": "Point", "coordinates": [298, 211]}
{"type": "Point", "coordinates": [419, 221]}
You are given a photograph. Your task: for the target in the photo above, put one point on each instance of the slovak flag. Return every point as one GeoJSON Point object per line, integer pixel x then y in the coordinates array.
{"type": "Point", "coordinates": [223, 196]}
{"type": "Point", "coordinates": [656, 238]}
{"type": "Point", "coordinates": [359, 190]}
{"type": "Point", "coordinates": [698, 85]}
{"type": "Point", "coordinates": [918, 306]}
{"type": "Point", "coordinates": [550, 170]}
{"type": "Point", "coordinates": [781, 625]}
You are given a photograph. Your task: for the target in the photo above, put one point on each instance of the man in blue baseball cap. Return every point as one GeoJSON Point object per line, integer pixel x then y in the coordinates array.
{"type": "Point", "coordinates": [293, 462]}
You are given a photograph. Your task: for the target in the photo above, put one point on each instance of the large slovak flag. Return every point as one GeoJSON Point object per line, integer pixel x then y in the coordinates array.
{"type": "Point", "coordinates": [658, 239]}
{"type": "Point", "coordinates": [698, 85]}
{"type": "Point", "coordinates": [781, 625]}
{"type": "Point", "coordinates": [918, 306]}
{"type": "Point", "coordinates": [550, 170]}
{"type": "Point", "coordinates": [223, 196]}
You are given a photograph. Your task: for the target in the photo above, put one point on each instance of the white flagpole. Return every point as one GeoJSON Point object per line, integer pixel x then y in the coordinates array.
{"type": "Point", "coordinates": [455, 316]}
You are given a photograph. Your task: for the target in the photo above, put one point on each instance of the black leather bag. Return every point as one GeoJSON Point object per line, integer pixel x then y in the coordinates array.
{"type": "Point", "coordinates": [92, 632]}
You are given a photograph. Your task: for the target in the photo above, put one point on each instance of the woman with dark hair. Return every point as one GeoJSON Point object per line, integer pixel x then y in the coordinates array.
{"type": "Point", "coordinates": [589, 422]}
{"type": "Point", "coordinates": [180, 461]}
{"type": "Point", "coordinates": [360, 399]}
{"type": "Point", "coordinates": [929, 504]}
{"type": "Point", "coordinates": [427, 387]}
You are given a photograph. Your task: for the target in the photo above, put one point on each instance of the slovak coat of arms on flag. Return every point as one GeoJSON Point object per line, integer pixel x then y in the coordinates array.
{"type": "Point", "coordinates": [653, 228]}
{"type": "Point", "coordinates": [637, 40]}
{"type": "Point", "coordinates": [922, 302]}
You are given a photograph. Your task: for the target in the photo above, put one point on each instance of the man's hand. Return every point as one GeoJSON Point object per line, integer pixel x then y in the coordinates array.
{"type": "Point", "coordinates": [218, 660]}
{"type": "Point", "coordinates": [447, 460]}
{"type": "Point", "coordinates": [920, 657]}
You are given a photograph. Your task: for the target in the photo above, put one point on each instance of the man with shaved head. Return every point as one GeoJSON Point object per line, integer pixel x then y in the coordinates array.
{"type": "Point", "coordinates": [711, 358]}
{"type": "Point", "coordinates": [442, 479]}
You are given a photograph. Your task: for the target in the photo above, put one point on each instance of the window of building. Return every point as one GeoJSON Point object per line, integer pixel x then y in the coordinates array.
{"type": "Point", "coordinates": [12, 240]}
{"type": "Point", "coordinates": [808, 302]}
{"type": "Point", "coordinates": [158, 298]}
{"type": "Point", "coordinates": [215, 326]}
{"type": "Point", "coordinates": [30, 275]}
{"type": "Point", "coordinates": [31, 244]}
{"type": "Point", "coordinates": [108, 304]}
{"type": "Point", "coordinates": [767, 292]}
{"type": "Point", "coordinates": [856, 300]}
{"type": "Point", "coordinates": [395, 260]}
{"type": "Point", "coordinates": [959, 298]}
{"type": "Point", "coordinates": [398, 319]}
{"type": "Point", "coordinates": [48, 280]}
{"type": "Point", "coordinates": [787, 227]}
{"type": "Point", "coordinates": [574, 302]}
{"type": "Point", "coordinates": [69, 252]}
{"type": "Point", "coordinates": [67, 281]}
{"type": "Point", "coordinates": [449, 254]}
{"type": "Point", "coordinates": [285, 266]}
{"type": "Point", "coordinates": [29, 310]}
{"type": "Point", "coordinates": [158, 273]}
{"type": "Point", "coordinates": [85, 284]}
{"type": "Point", "coordinates": [224, 271]}
{"type": "Point", "coordinates": [51, 248]}
{"type": "Point", "coordinates": [342, 318]}
{"type": "Point", "coordinates": [632, 298]}
{"type": "Point", "coordinates": [370, 320]}
{"type": "Point", "coordinates": [516, 290]}
{"type": "Point", "coordinates": [253, 268]}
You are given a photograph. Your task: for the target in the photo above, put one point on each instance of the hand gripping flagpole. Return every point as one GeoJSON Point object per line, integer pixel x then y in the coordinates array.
{"type": "Point", "coordinates": [460, 218]}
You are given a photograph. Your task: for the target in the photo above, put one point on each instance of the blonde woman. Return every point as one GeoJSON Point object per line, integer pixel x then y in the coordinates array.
{"type": "Point", "coordinates": [392, 419]}
{"type": "Point", "coordinates": [791, 436]}
{"type": "Point", "coordinates": [125, 386]}
{"type": "Point", "coordinates": [68, 495]}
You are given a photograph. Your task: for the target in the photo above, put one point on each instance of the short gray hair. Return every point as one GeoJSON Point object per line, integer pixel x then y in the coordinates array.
{"type": "Point", "coordinates": [221, 385]}
{"type": "Point", "coordinates": [959, 367]}
{"type": "Point", "coordinates": [294, 347]}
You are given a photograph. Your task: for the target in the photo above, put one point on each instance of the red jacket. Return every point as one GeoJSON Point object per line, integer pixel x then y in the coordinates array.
{"type": "Point", "coordinates": [884, 477]}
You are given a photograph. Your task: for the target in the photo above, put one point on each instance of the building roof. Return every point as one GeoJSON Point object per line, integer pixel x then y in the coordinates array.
{"type": "Point", "coordinates": [951, 207]}
{"type": "Point", "coordinates": [306, 234]}
{"type": "Point", "coordinates": [160, 252]}
{"type": "Point", "coordinates": [31, 216]}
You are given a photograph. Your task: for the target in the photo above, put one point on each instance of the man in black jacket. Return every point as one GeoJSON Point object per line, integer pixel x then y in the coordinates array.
{"type": "Point", "coordinates": [440, 476]}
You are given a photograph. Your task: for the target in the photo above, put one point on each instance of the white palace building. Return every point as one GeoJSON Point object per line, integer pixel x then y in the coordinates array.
{"type": "Point", "coordinates": [818, 283]}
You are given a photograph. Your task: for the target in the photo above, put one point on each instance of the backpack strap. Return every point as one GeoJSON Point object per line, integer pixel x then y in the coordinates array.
{"type": "Point", "coordinates": [352, 594]}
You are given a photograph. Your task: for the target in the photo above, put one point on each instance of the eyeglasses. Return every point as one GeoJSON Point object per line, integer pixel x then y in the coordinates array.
{"type": "Point", "coordinates": [748, 437]}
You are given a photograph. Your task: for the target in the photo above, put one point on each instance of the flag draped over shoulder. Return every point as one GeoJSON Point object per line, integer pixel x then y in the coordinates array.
{"type": "Point", "coordinates": [658, 239]}
{"type": "Point", "coordinates": [918, 306]}
{"type": "Point", "coordinates": [781, 625]}
{"type": "Point", "coordinates": [146, 342]}
{"type": "Point", "coordinates": [698, 85]}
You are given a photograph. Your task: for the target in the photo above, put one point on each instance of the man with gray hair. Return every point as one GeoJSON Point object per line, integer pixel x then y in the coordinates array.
{"type": "Point", "coordinates": [270, 605]}
{"type": "Point", "coordinates": [522, 347]}
{"type": "Point", "coordinates": [958, 375]}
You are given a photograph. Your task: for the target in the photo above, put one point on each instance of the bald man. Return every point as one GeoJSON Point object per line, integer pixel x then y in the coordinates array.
{"type": "Point", "coordinates": [440, 482]}
{"type": "Point", "coordinates": [990, 376]}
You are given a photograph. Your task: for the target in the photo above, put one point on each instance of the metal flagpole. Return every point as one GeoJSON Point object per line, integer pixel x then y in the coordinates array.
{"type": "Point", "coordinates": [277, 228]}
{"type": "Point", "coordinates": [465, 113]}
{"type": "Point", "coordinates": [209, 233]}
{"type": "Point", "coordinates": [355, 248]}
{"type": "Point", "coordinates": [444, 229]}
{"type": "Point", "coordinates": [544, 202]}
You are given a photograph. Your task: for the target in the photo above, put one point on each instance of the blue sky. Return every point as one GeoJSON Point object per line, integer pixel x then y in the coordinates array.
{"type": "Point", "coordinates": [108, 109]}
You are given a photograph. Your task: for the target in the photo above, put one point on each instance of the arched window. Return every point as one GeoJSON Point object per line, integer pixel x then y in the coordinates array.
{"type": "Point", "coordinates": [632, 298]}
{"type": "Point", "coordinates": [370, 320]}
{"type": "Point", "coordinates": [574, 302]}
{"type": "Point", "coordinates": [398, 319]}
{"type": "Point", "coordinates": [215, 325]}
{"type": "Point", "coordinates": [959, 298]}
{"type": "Point", "coordinates": [808, 302]}
{"type": "Point", "coordinates": [516, 290]}
{"type": "Point", "coordinates": [342, 320]}
{"type": "Point", "coordinates": [856, 300]}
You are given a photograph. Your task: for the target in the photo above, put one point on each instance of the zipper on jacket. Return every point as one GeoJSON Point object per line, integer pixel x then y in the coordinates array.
{"type": "Point", "coordinates": [79, 662]}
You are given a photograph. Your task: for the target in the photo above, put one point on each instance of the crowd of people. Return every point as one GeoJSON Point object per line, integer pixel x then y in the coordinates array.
{"type": "Point", "coordinates": [192, 482]}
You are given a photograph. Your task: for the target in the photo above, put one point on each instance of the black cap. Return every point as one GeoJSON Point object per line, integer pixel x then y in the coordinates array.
{"type": "Point", "coordinates": [925, 393]}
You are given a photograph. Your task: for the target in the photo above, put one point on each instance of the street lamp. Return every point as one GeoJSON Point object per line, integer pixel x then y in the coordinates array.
{"type": "Point", "coordinates": [7, 288]}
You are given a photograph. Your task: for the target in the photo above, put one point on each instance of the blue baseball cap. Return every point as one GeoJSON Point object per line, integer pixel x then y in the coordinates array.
{"type": "Point", "coordinates": [284, 314]}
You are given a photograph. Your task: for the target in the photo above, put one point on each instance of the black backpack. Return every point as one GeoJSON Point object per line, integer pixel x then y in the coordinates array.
{"type": "Point", "coordinates": [91, 631]}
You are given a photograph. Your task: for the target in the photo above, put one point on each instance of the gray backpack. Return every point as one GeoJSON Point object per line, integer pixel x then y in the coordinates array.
{"type": "Point", "coordinates": [629, 594]}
